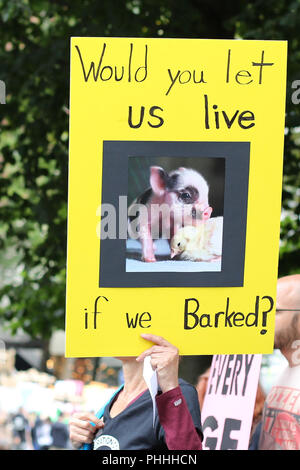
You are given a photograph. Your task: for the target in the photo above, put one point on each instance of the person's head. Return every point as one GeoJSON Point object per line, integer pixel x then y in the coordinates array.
{"type": "Point", "coordinates": [201, 386]}
{"type": "Point", "coordinates": [287, 323]}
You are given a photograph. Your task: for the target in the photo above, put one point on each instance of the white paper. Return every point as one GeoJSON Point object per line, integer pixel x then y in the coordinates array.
{"type": "Point", "coordinates": [150, 377]}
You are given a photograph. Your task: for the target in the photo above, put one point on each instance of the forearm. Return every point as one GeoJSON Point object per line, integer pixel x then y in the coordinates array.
{"type": "Point", "coordinates": [175, 418]}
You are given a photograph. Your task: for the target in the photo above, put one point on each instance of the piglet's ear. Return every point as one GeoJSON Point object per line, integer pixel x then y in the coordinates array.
{"type": "Point", "coordinates": [207, 213]}
{"type": "Point", "coordinates": [158, 180]}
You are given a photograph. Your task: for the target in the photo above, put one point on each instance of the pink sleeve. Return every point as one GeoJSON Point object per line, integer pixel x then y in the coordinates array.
{"type": "Point", "coordinates": [175, 418]}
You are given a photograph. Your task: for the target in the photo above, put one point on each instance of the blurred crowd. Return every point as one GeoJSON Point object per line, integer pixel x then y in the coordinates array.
{"type": "Point", "coordinates": [35, 408]}
{"type": "Point", "coordinates": [30, 431]}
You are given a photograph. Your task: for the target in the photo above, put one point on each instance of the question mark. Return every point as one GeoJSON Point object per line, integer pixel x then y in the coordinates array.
{"type": "Point", "coordinates": [264, 320]}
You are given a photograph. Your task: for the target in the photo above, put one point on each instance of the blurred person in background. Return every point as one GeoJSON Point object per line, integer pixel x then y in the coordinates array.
{"type": "Point", "coordinates": [60, 434]}
{"type": "Point", "coordinates": [258, 408]}
{"type": "Point", "coordinates": [201, 388]}
{"type": "Point", "coordinates": [21, 430]}
{"type": "Point", "coordinates": [280, 425]}
{"type": "Point", "coordinates": [43, 434]}
{"type": "Point", "coordinates": [34, 428]}
{"type": "Point", "coordinates": [5, 442]}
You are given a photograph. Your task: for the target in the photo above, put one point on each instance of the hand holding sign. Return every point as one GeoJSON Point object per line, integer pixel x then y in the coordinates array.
{"type": "Point", "coordinates": [164, 359]}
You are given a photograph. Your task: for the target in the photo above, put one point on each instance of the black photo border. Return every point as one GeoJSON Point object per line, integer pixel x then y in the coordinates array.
{"type": "Point", "coordinates": [115, 183]}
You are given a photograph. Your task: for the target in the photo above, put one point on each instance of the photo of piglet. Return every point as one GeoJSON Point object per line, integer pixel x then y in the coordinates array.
{"type": "Point", "coordinates": [175, 223]}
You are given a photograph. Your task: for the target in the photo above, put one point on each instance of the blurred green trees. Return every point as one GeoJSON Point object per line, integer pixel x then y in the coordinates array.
{"type": "Point", "coordinates": [34, 63]}
{"type": "Point", "coordinates": [280, 20]}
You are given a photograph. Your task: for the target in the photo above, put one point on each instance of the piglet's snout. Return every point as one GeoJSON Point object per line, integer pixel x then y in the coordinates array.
{"type": "Point", "coordinates": [197, 213]}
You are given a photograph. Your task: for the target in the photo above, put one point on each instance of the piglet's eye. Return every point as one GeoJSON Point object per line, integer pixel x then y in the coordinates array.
{"type": "Point", "coordinates": [185, 196]}
{"type": "Point", "coordinates": [178, 244]}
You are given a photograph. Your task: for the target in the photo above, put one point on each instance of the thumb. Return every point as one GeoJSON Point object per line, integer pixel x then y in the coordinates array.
{"type": "Point", "coordinates": [100, 423]}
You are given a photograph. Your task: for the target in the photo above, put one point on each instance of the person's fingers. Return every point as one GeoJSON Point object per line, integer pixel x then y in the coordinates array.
{"type": "Point", "coordinates": [84, 425]}
{"type": "Point", "coordinates": [84, 416]}
{"type": "Point", "coordinates": [79, 424]}
{"type": "Point", "coordinates": [153, 350]}
{"type": "Point", "coordinates": [154, 363]}
{"type": "Point", "coordinates": [159, 360]}
{"type": "Point", "coordinates": [82, 432]}
{"type": "Point", "coordinates": [156, 339]}
{"type": "Point", "coordinates": [81, 438]}
{"type": "Point", "coordinates": [100, 423]}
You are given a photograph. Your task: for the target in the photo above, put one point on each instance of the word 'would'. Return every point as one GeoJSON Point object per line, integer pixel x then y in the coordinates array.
{"type": "Point", "coordinates": [105, 73]}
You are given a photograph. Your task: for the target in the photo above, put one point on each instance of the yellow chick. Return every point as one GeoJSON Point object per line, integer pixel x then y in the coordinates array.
{"type": "Point", "coordinates": [199, 243]}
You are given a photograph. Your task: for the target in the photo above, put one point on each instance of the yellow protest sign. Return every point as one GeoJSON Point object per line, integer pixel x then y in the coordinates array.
{"type": "Point", "coordinates": [175, 174]}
